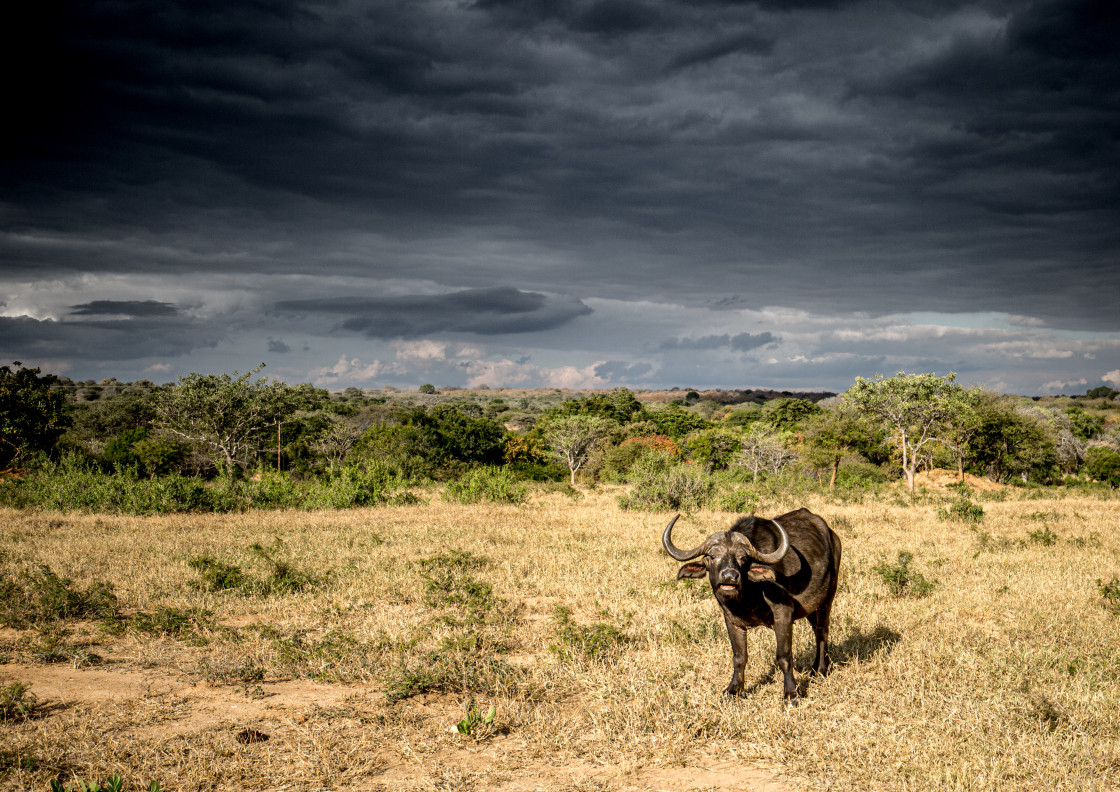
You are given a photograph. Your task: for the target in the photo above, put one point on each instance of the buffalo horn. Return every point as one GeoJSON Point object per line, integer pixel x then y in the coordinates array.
{"type": "Point", "coordinates": [768, 558]}
{"type": "Point", "coordinates": [676, 552]}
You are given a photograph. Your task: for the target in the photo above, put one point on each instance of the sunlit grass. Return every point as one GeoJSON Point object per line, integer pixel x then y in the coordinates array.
{"type": "Point", "coordinates": [564, 615]}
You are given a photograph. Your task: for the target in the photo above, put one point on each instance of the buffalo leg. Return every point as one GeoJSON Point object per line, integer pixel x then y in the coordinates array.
{"type": "Point", "coordinates": [819, 620]}
{"type": "Point", "coordinates": [783, 635]}
{"type": "Point", "coordinates": [738, 637]}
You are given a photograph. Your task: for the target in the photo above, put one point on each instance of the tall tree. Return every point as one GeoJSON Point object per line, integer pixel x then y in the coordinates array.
{"type": "Point", "coordinates": [839, 428]}
{"type": "Point", "coordinates": [227, 414]}
{"type": "Point", "coordinates": [573, 438]}
{"type": "Point", "coordinates": [917, 408]}
{"type": "Point", "coordinates": [963, 425]}
{"type": "Point", "coordinates": [32, 413]}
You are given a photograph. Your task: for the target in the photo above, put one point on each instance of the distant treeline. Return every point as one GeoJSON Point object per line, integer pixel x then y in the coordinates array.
{"type": "Point", "coordinates": [229, 441]}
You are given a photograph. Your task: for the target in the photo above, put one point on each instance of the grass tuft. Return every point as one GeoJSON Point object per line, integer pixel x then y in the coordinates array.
{"type": "Point", "coordinates": [16, 701]}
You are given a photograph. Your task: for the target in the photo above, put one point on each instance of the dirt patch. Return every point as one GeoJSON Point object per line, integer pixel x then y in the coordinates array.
{"type": "Point", "coordinates": [941, 479]}
{"type": "Point", "coordinates": [293, 716]}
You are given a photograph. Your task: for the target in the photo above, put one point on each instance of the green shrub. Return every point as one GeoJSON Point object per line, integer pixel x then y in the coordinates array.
{"type": "Point", "coordinates": [1043, 536]}
{"type": "Point", "coordinates": [171, 621]}
{"type": "Point", "coordinates": [113, 783]}
{"type": "Point", "coordinates": [595, 641]}
{"type": "Point", "coordinates": [618, 461]}
{"type": "Point", "coordinates": [962, 508]}
{"type": "Point", "coordinates": [218, 575]}
{"type": "Point", "coordinates": [282, 577]}
{"type": "Point", "coordinates": [39, 596]}
{"type": "Point", "coordinates": [75, 483]}
{"type": "Point", "coordinates": [1103, 464]}
{"type": "Point", "coordinates": [16, 701]}
{"type": "Point", "coordinates": [1110, 593]}
{"type": "Point", "coordinates": [661, 484]}
{"type": "Point", "coordinates": [449, 670]}
{"type": "Point", "coordinates": [487, 485]}
{"type": "Point", "coordinates": [901, 579]}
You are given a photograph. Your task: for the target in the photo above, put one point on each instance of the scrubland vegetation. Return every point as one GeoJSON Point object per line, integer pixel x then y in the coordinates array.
{"type": "Point", "coordinates": [406, 591]}
{"type": "Point", "coordinates": [227, 443]}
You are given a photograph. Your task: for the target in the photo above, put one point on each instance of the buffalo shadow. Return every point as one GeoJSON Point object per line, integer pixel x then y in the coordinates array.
{"type": "Point", "coordinates": [857, 646]}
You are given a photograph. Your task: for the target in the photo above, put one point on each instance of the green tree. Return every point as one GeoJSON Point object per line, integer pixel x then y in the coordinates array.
{"type": "Point", "coordinates": [714, 448]}
{"type": "Point", "coordinates": [32, 413]}
{"type": "Point", "coordinates": [763, 450]}
{"type": "Point", "coordinates": [620, 406]}
{"type": "Point", "coordinates": [788, 414]}
{"type": "Point", "coordinates": [229, 415]}
{"type": "Point", "coordinates": [676, 422]}
{"type": "Point", "coordinates": [1011, 443]}
{"type": "Point", "coordinates": [917, 408]}
{"type": "Point", "coordinates": [963, 425]}
{"type": "Point", "coordinates": [1103, 464]}
{"type": "Point", "coordinates": [837, 430]}
{"type": "Point", "coordinates": [1083, 425]}
{"type": "Point", "coordinates": [572, 438]}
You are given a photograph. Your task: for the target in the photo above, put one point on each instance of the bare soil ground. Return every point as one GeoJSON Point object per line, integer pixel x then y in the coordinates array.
{"type": "Point", "coordinates": [941, 479]}
{"type": "Point", "coordinates": [280, 723]}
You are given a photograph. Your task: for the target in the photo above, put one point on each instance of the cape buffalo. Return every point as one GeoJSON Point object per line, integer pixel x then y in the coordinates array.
{"type": "Point", "coordinates": [769, 572]}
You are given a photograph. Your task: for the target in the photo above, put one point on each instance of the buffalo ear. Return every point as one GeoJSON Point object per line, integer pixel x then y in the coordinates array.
{"type": "Point", "coordinates": [694, 570]}
{"type": "Point", "coordinates": [759, 574]}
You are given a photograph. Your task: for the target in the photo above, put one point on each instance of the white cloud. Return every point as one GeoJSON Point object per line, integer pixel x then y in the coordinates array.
{"type": "Point", "coordinates": [348, 370]}
{"type": "Point", "coordinates": [421, 350]}
{"type": "Point", "coordinates": [1060, 385]}
{"type": "Point", "coordinates": [1113, 377]}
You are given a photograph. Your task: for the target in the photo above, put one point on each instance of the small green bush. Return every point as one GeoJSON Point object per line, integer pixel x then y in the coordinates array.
{"type": "Point", "coordinates": [448, 671]}
{"type": "Point", "coordinates": [218, 575]}
{"type": "Point", "coordinates": [16, 702]}
{"type": "Point", "coordinates": [1043, 536]}
{"type": "Point", "coordinates": [962, 508]}
{"type": "Point", "coordinates": [39, 596]}
{"type": "Point", "coordinates": [595, 641]}
{"type": "Point", "coordinates": [171, 621]}
{"type": "Point", "coordinates": [113, 783]}
{"type": "Point", "coordinates": [1110, 593]}
{"type": "Point", "coordinates": [659, 484]}
{"type": "Point", "coordinates": [901, 579]}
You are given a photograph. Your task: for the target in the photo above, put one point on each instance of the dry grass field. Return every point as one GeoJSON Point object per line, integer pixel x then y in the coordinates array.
{"type": "Point", "coordinates": [357, 640]}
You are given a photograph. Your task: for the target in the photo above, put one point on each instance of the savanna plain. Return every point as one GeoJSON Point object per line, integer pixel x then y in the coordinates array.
{"type": "Point", "coordinates": [441, 646]}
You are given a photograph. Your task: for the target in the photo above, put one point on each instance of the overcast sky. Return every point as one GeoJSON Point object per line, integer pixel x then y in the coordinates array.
{"type": "Point", "coordinates": [568, 193]}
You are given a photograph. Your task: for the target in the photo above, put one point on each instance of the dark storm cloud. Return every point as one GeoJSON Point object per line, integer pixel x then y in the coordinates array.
{"type": "Point", "coordinates": [748, 42]}
{"type": "Point", "coordinates": [741, 342]}
{"type": "Point", "coordinates": [135, 308]}
{"type": "Point", "coordinates": [830, 156]}
{"type": "Point", "coordinates": [278, 346]}
{"type": "Point", "coordinates": [496, 311]}
{"type": "Point", "coordinates": [114, 340]}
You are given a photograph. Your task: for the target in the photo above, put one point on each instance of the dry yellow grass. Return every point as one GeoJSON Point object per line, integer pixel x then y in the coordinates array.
{"type": "Point", "coordinates": [1005, 677]}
